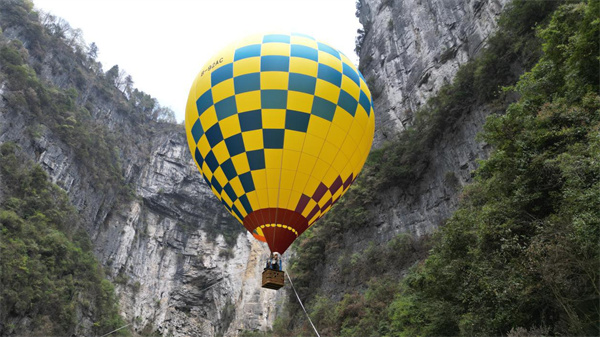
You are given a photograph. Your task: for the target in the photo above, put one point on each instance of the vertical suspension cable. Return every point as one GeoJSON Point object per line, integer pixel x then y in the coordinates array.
{"type": "Point", "coordinates": [302, 305]}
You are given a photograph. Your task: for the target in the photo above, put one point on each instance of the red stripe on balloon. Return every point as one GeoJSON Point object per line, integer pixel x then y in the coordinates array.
{"type": "Point", "coordinates": [283, 237]}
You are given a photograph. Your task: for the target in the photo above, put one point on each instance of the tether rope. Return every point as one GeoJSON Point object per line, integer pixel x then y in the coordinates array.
{"type": "Point", "coordinates": [302, 305]}
{"type": "Point", "coordinates": [124, 326]}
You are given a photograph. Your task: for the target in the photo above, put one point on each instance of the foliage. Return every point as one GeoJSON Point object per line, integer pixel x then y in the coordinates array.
{"type": "Point", "coordinates": [49, 273]}
{"type": "Point", "coordinates": [358, 313]}
{"type": "Point", "coordinates": [522, 250]}
{"type": "Point", "coordinates": [254, 333]}
{"type": "Point", "coordinates": [379, 259]}
{"type": "Point", "coordinates": [369, 278]}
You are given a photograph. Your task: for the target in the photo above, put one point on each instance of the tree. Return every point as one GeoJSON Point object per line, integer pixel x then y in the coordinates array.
{"type": "Point", "coordinates": [117, 77]}
{"type": "Point", "coordinates": [164, 114]}
{"type": "Point", "coordinates": [93, 51]}
{"type": "Point", "coordinates": [128, 86]}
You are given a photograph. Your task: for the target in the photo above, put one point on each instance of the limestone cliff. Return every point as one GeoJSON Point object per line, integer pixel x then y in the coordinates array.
{"type": "Point", "coordinates": [411, 48]}
{"type": "Point", "coordinates": [173, 270]}
{"type": "Point", "coordinates": [181, 265]}
{"type": "Point", "coordinates": [176, 273]}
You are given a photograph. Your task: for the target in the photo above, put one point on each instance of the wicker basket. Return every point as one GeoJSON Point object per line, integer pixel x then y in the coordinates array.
{"type": "Point", "coordinates": [272, 279]}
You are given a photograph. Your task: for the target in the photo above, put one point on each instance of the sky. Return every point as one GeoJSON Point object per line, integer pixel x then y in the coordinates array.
{"type": "Point", "coordinates": [163, 44]}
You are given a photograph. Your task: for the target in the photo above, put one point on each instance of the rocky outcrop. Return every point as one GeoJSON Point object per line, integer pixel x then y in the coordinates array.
{"type": "Point", "coordinates": [181, 265]}
{"type": "Point", "coordinates": [175, 272]}
{"type": "Point", "coordinates": [173, 269]}
{"type": "Point", "coordinates": [411, 48]}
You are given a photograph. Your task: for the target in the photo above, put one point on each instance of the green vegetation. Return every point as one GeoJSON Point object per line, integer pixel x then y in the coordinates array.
{"type": "Point", "coordinates": [522, 250]}
{"type": "Point", "coordinates": [49, 273]}
{"type": "Point", "coordinates": [520, 256]}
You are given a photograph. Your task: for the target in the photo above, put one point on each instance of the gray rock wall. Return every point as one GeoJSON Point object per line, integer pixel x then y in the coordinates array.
{"type": "Point", "coordinates": [412, 47]}
{"type": "Point", "coordinates": [172, 274]}
{"type": "Point", "coordinates": [173, 270]}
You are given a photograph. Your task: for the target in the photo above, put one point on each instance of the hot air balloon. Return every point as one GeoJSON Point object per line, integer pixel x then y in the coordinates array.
{"type": "Point", "coordinates": [279, 125]}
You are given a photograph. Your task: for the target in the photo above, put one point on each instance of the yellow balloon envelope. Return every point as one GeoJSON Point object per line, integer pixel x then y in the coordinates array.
{"type": "Point", "coordinates": [279, 125]}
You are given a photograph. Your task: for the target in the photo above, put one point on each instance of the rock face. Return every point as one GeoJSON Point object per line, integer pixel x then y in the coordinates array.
{"type": "Point", "coordinates": [181, 265]}
{"type": "Point", "coordinates": [174, 272]}
{"type": "Point", "coordinates": [411, 48]}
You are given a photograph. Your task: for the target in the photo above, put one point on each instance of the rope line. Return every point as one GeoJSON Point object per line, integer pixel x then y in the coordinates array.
{"type": "Point", "coordinates": [214, 284]}
{"type": "Point", "coordinates": [124, 326]}
{"type": "Point", "coordinates": [302, 305]}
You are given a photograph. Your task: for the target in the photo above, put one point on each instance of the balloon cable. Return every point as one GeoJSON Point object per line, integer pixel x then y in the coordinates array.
{"type": "Point", "coordinates": [302, 305]}
{"type": "Point", "coordinates": [123, 327]}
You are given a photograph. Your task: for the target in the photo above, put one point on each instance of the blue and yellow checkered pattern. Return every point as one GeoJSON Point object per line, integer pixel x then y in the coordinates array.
{"type": "Point", "coordinates": [279, 121]}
